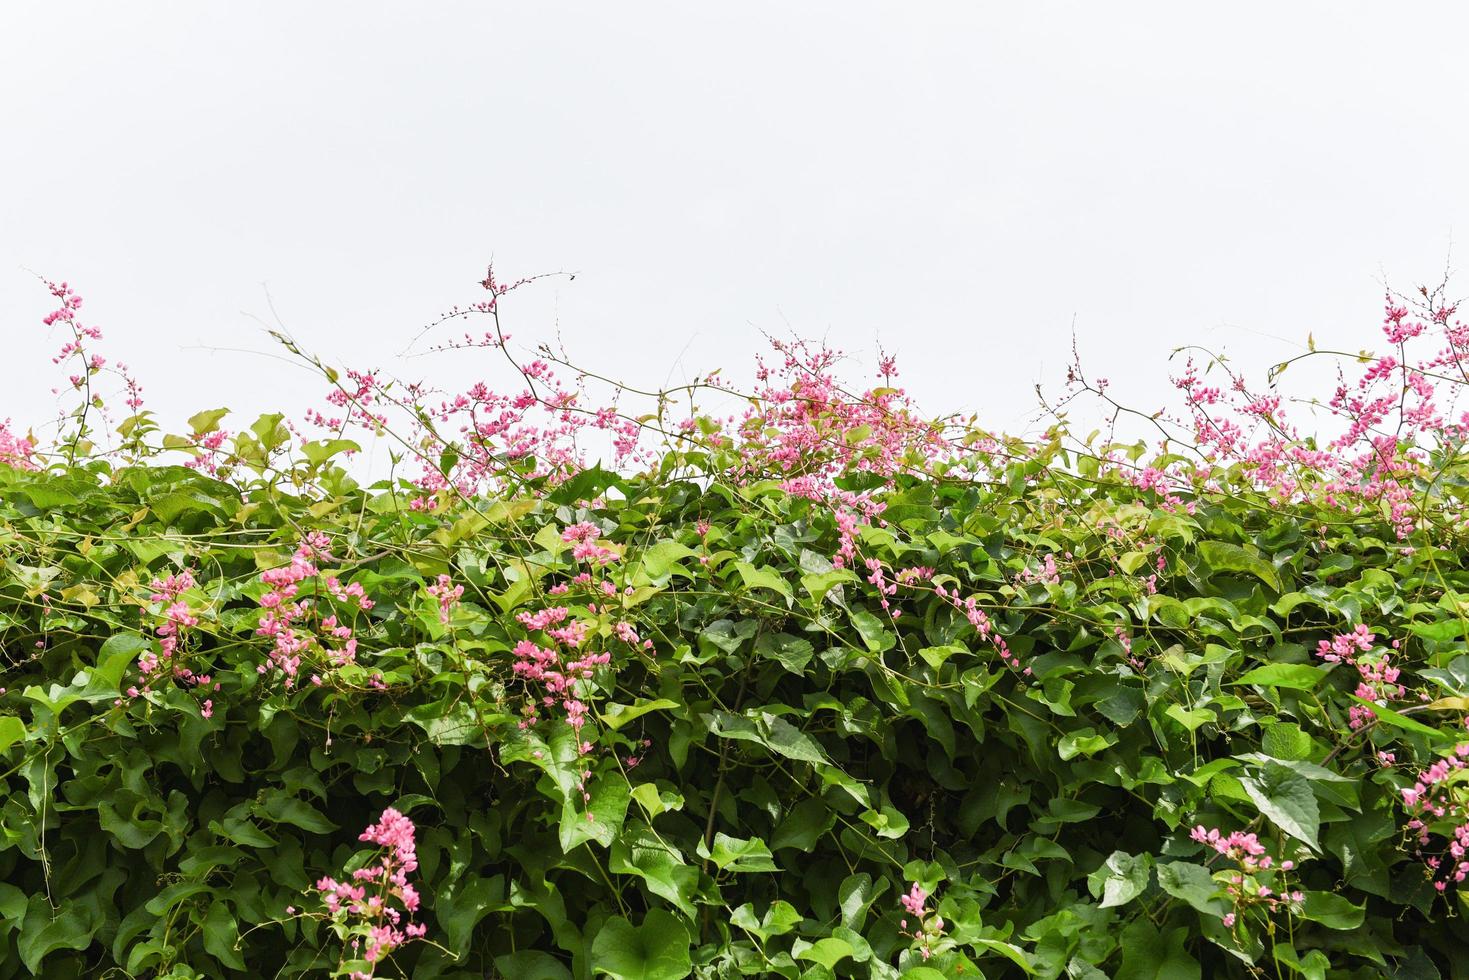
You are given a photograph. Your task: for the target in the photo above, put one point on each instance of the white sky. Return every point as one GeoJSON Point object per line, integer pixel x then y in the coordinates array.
{"type": "Point", "coordinates": [960, 182]}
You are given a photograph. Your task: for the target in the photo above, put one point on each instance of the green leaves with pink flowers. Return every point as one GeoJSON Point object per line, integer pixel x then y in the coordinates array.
{"type": "Point", "coordinates": [646, 728]}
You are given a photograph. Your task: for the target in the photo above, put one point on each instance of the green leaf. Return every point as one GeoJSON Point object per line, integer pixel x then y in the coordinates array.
{"type": "Point", "coordinates": [1221, 556]}
{"type": "Point", "coordinates": [804, 825]}
{"type": "Point", "coordinates": [780, 918]}
{"type": "Point", "coordinates": [222, 935]}
{"type": "Point", "coordinates": [45, 931]}
{"type": "Point", "coordinates": [792, 652]}
{"type": "Point", "coordinates": [454, 724]}
{"type": "Point", "coordinates": [598, 820]}
{"type": "Point", "coordinates": [874, 635]}
{"type": "Point", "coordinates": [1205, 773]}
{"type": "Point", "coordinates": [887, 822]}
{"type": "Point", "coordinates": [1455, 677]}
{"type": "Point", "coordinates": [270, 430]}
{"type": "Point", "coordinates": [12, 904]}
{"type": "Point", "coordinates": [855, 896]}
{"type": "Point", "coordinates": [1285, 740]}
{"type": "Point", "coordinates": [1286, 798]}
{"type": "Point", "coordinates": [1332, 910]}
{"type": "Point", "coordinates": [762, 578]}
{"type": "Point", "coordinates": [1121, 878]}
{"type": "Point", "coordinates": [638, 851]}
{"type": "Point", "coordinates": [242, 832]}
{"type": "Point", "coordinates": [1309, 770]}
{"type": "Point", "coordinates": [169, 507]}
{"type": "Point", "coordinates": [1300, 677]}
{"type": "Point", "coordinates": [319, 452]}
{"type": "Point", "coordinates": [1191, 718]}
{"type": "Point", "coordinates": [531, 964]}
{"type": "Point", "coordinates": [113, 660]}
{"type": "Point", "coordinates": [174, 894]}
{"type": "Point", "coordinates": [50, 494]}
{"type": "Point", "coordinates": [297, 813]}
{"type": "Point", "coordinates": [734, 854]}
{"type": "Point", "coordinates": [828, 952]}
{"type": "Point", "coordinates": [461, 907]}
{"type": "Point", "coordinates": [818, 584]}
{"type": "Point", "coordinates": [35, 579]}
{"type": "Point", "coordinates": [448, 459]}
{"type": "Point", "coordinates": [1193, 884]}
{"type": "Point", "coordinates": [1149, 955]}
{"type": "Point", "coordinates": [12, 731]}
{"type": "Point", "coordinates": [587, 484]}
{"type": "Point", "coordinates": [771, 731]}
{"type": "Point", "coordinates": [790, 741]}
{"type": "Point", "coordinates": [1313, 966]}
{"type": "Point", "coordinates": [133, 833]}
{"type": "Point", "coordinates": [614, 715]}
{"type": "Point", "coordinates": [1085, 742]}
{"type": "Point", "coordinates": [1131, 561]}
{"type": "Point", "coordinates": [658, 949]}
{"type": "Point", "coordinates": [203, 423]}
{"type": "Point", "coordinates": [1010, 951]}
{"type": "Point", "coordinates": [656, 801]}
{"type": "Point", "coordinates": [730, 636]}
{"type": "Point", "coordinates": [660, 559]}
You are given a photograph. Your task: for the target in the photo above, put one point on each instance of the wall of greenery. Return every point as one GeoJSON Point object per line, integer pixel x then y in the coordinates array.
{"type": "Point", "coordinates": [1045, 717]}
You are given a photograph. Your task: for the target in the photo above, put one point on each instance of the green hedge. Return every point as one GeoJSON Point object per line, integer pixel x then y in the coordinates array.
{"type": "Point", "coordinates": [797, 748]}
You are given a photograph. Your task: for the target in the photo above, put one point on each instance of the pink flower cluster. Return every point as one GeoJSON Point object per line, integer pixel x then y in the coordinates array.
{"type": "Point", "coordinates": [364, 904]}
{"type": "Point", "coordinates": [804, 426]}
{"type": "Point", "coordinates": [584, 537]}
{"type": "Point", "coordinates": [877, 576]}
{"type": "Point", "coordinates": [1124, 640]}
{"type": "Point", "coordinates": [16, 451]}
{"type": "Point", "coordinates": [1244, 888]}
{"type": "Point", "coordinates": [502, 438]}
{"type": "Point", "coordinates": [887, 588]}
{"type": "Point", "coordinates": [800, 427]}
{"type": "Point", "coordinates": [928, 929]}
{"type": "Point", "coordinates": [1045, 573]}
{"type": "Point", "coordinates": [1433, 800]}
{"type": "Point", "coordinates": [1378, 677]}
{"type": "Point", "coordinates": [914, 574]}
{"type": "Point", "coordinates": [982, 624]}
{"type": "Point", "coordinates": [295, 623]}
{"type": "Point", "coordinates": [850, 511]}
{"type": "Point", "coordinates": [1345, 646]}
{"type": "Point", "coordinates": [171, 662]}
{"type": "Point", "coordinates": [208, 454]}
{"type": "Point", "coordinates": [85, 365]}
{"type": "Point", "coordinates": [448, 594]}
{"type": "Point", "coordinates": [914, 900]}
{"type": "Point", "coordinates": [1238, 846]}
{"type": "Point", "coordinates": [1391, 416]}
{"type": "Point", "coordinates": [556, 667]}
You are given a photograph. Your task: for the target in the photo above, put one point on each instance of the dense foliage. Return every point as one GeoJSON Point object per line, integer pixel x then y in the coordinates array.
{"type": "Point", "coordinates": [821, 690]}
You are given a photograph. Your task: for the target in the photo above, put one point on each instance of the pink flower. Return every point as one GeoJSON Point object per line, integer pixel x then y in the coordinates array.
{"type": "Point", "coordinates": [448, 594]}
{"type": "Point", "coordinates": [913, 901]}
{"type": "Point", "coordinates": [350, 904]}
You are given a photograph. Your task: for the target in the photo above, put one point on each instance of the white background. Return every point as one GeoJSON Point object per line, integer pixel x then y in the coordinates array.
{"type": "Point", "coordinates": [962, 183]}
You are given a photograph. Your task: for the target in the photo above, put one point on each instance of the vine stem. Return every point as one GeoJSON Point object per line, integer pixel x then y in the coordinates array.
{"type": "Point", "coordinates": [719, 787]}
